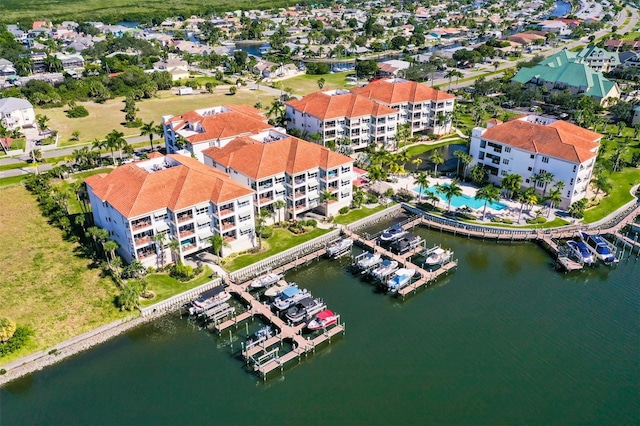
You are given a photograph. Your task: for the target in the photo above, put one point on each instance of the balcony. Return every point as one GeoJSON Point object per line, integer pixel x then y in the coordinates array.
{"type": "Point", "coordinates": [227, 225]}
{"type": "Point", "coordinates": [226, 212]}
{"type": "Point", "coordinates": [145, 254]}
{"type": "Point", "coordinates": [140, 225]}
{"type": "Point", "coordinates": [185, 218]}
{"type": "Point", "coordinates": [299, 181]}
{"type": "Point", "coordinates": [186, 233]}
{"type": "Point", "coordinates": [229, 238]}
{"type": "Point", "coordinates": [266, 199]}
{"type": "Point", "coordinates": [141, 241]}
{"type": "Point", "coordinates": [188, 247]}
{"type": "Point", "coordinates": [298, 194]}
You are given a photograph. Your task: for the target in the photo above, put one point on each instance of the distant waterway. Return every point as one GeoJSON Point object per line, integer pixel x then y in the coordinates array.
{"type": "Point", "coordinates": [560, 9]}
{"type": "Point", "coordinates": [505, 339]}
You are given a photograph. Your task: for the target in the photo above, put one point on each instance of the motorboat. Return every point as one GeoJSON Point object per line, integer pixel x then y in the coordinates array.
{"type": "Point", "coordinates": [289, 297]}
{"type": "Point", "coordinates": [208, 300]}
{"type": "Point", "coordinates": [581, 251]}
{"type": "Point", "coordinates": [438, 256]}
{"type": "Point", "coordinates": [339, 247]}
{"type": "Point", "coordinates": [324, 319]}
{"type": "Point", "coordinates": [368, 261]}
{"type": "Point", "coordinates": [600, 248]}
{"type": "Point", "coordinates": [266, 280]}
{"type": "Point", "coordinates": [392, 234]}
{"type": "Point", "coordinates": [406, 243]}
{"type": "Point", "coordinates": [305, 309]}
{"type": "Point", "coordinates": [400, 279]}
{"type": "Point", "coordinates": [275, 290]}
{"type": "Point", "coordinates": [386, 268]}
{"type": "Point", "coordinates": [261, 335]}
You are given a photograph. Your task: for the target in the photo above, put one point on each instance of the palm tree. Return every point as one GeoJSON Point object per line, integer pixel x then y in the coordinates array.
{"type": "Point", "coordinates": [527, 197]}
{"type": "Point", "coordinates": [478, 173]}
{"type": "Point", "coordinates": [437, 159]}
{"type": "Point", "coordinates": [545, 178]}
{"type": "Point", "coordinates": [174, 247]}
{"type": "Point", "coordinates": [115, 140]}
{"type": "Point", "coordinates": [450, 191]}
{"type": "Point", "coordinates": [466, 159]}
{"type": "Point", "coordinates": [601, 183]}
{"type": "Point", "coordinates": [555, 198]}
{"type": "Point", "coordinates": [42, 121]}
{"type": "Point", "coordinates": [402, 158]}
{"type": "Point", "coordinates": [489, 194]}
{"type": "Point", "coordinates": [98, 144]}
{"type": "Point", "coordinates": [325, 197]}
{"type": "Point", "coordinates": [52, 63]}
{"type": "Point", "coordinates": [321, 82]}
{"type": "Point", "coordinates": [159, 239]}
{"type": "Point", "coordinates": [277, 113]}
{"type": "Point", "coordinates": [511, 183]}
{"type": "Point", "coordinates": [279, 205]}
{"type": "Point", "coordinates": [422, 180]}
{"type": "Point", "coordinates": [110, 248]}
{"type": "Point", "coordinates": [217, 243]}
{"type": "Point", "coordinates": [577, 209]}
{"type": "Point", "coordinates": [458, 154]}
{"type": "Point", "coordinates": [417, 161]}
{"type": "Point", "coordinates": [559, 184]}
{"type": "Point", "coordinates": [150, 130]}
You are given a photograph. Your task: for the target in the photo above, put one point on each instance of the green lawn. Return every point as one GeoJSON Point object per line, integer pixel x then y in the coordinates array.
{"type": "Point", "coordinates": [622, 183]}
{"type": "Point", "coordinates": [281, 240]}
{"type": "Point", "coordinates": [13, 166]}
{"type": "Point", "coordinates": [18, 144]}
{"type": "Point", "coordinates": [308, 83]}
{"type": "Point", "coordinates": [13, 180]}
{"type": "Point", "coordinates": [105, 117]}
{"type": "Point", "coordinates": [86, 174]}
{"type": "Point", "coordinates": [415, 150]}
{"type": "Point", "coordinates": [165, 286]}
{"type": "Point", "coordinates": [357, 214]}
{"type": "Point", "coordinates": [631, 36]}
{"type": "Point", "coordinates": [45, 283]}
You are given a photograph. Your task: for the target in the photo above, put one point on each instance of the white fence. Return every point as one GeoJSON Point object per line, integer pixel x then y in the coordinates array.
{"type": "Point", "coordinates": [179, 299]}
{"type": "Point", "coordinates": [392, 211]}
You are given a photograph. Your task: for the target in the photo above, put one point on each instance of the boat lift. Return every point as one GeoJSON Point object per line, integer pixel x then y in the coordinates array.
{"type": "Point", "coordinates": [265, 358]}
{"type": "Point", "coordinates": [218, 312]}
{"type": "Point", "coordinates": [367, 270]}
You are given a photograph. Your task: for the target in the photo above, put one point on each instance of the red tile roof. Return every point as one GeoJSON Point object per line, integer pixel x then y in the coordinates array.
{"type": "Point", "coordinates": [240, 120]}
{"type": "Point", "coordinates": [134, 191]}
{"type": "Point", "coordinates": [558, 139]}
{"type": "Point", "coordinates": [259, 160]}
{"type": "Point", "coordinates": [324, 106]}
{"type": "Point", "coordinates": [393, 92]}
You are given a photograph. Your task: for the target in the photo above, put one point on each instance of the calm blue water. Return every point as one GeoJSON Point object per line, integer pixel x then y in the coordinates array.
{"type": "Point", "coordinates": [253, 48]}
{"type": "Point", "coordinates": [561, 8]}
{"type": "Point", "coordinates": [461, 200]}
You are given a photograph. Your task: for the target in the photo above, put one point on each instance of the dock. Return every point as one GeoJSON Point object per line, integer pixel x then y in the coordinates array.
{"type": "Point", "coordinates": [426, 277]}
{"type": "Point", "coordinates": [263, 355]}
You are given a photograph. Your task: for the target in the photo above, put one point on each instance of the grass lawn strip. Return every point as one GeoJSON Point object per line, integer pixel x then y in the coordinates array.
{"type": "Point", "coordinates": [281, 240]}
{"type": "Point", "coordinates": [415, 150]}
{"type": "Point", "coordinates": [358, 214]}
{"type": "Point", "coordinates": [622, 183]}
{"type": "Point", "coordinates": [308, 83]}
{"type": "Point", "coordinates": [44, 284]}
{"type": "Point", "coordinates": [165, 286]}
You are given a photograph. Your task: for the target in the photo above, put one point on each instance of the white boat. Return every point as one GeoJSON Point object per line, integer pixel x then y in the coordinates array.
{"type": "Point", "coordinates": [339, 247]}
{"type": "Point", "coordinates": [262, 335]}
{"type": "Point", "coordinates": [208, 300]}
{"type": "Point", "coordinates": [369, 260]}
{"type": "Point", "coordinates": [581, 251]}
{"type": "Point", "coordinates": [266, 280]}
{"type": "Point", "coordinates": [323, 320]}
{"type": "Point", "coordinates": [400, 279]}
{"type": "Point", "coordinates": [438, 256]}
{"type": "Point", "coordinates": [600, 248]}
{"type": "Point", "coordinates": [305, 309]}
{"type": "Point", "coordinates": [275, 290]}
{"type": "Point", "coordinates": [392, 233]}
{"type": "Point", "coordinates": [386, 268]}
{"type": "Point", "coordinates": [406, 243]}
{"type": "Point", "coordinates": [289, 297]}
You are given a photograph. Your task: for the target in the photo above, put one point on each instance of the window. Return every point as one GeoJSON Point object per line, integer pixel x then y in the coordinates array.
{"type": "Point", "coordinates": [244, 218]}
{"type": "Point", "coordinates": [527, 181]}
{"type": "Point", "coordinates": [529, 169]}
{"type": "Point", "coordinates": [245, 231]}
{"type": "Point", "coordinates": [507, 149]}
{"type": "Point", "coordinates": [481, 155]}
{"type": "Point", "coordinates": [574, 167]}
{"type": "Point", "coordinates": [280, 179]}
{"type": "Point", "coordinates": [545, 159]}
{"type": "Point", "coordinates": [531, 156]}
{"type": "Point", "coordinates": [243, 203]}
{"type": "Point", "coordinates": [483, 144]}
{"type": "Point", "coordinates": [202, 210]}
{"type": "Point", "coordinates": [505, 161]}
{"type": "Point", "coordinates": [571, 181]}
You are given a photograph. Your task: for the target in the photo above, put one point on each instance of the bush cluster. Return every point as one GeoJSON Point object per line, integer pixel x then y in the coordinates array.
{"type": "Point", "coordinates": [77, 112]}
{"type": "Point", "coordinates": [537, 220]}
{"type": "Point", "coordinates": [181, 272]}
{"type": "Point", "coordinates": [19, 339]}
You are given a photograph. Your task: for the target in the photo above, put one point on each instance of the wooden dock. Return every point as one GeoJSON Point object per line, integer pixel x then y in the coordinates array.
{"type": "Point", "coordinates": [426, 277]}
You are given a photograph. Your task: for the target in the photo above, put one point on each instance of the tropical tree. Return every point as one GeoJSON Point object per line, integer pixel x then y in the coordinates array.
{"type": "Point", "coordinates": [417, 161]}
{"type": "Point", "coordinates": [478, 173]}
{"type": "Point", "coordinates": [217, 244]}
{"type": "Point", "coordinates": [601, 183]}
{"type": "Point", "coordinates": [437, 159]}
{"type": "Point", "coordinates": [174, 248]}
{"type": "Point", "coordinates": [148, 129]}
{"type": "Point", "coordinates": [555, 198]}
{"type": "Point", "coordinates": [42, 121]}
{"type": "Point", "coordinates": [458, 154]}
{"type": "Point", "coordinates": [321, 82]}
{"type": "Point", "coordinates": [450, 191]}
{"type": "Point", "coordinates": [559, 184]}
{"type": "Point", "coordinates": [545, 178]}
{"type": "Point", "coordinates": [279, 205]}
{"type": "Point", "coordinates": [115, 140]}
{"type": "Point", "coordinates": [110, 248]}
{"type": "Point", "coordinates": [422, 180]}
{"type": "Point", "coordinates": [97, 234]}
{"type": "Point", "coordinates": [325, 197]}
{"type": "Point", "coordinates": [489, 194]}
{"type": "Point", "coordinates": [527, 197]}
{"type": "Point", "coordinates": [52, 63]}
{"type": "Point", "coordinates": [158, 240]}
{"type": "Point", "coordinates": [7, 328]}
{"type": "Point", "coordinates": [129, 298]}
{"type": "Point", "coordinates": [577, 209]}
{"type": "Point", "coordinates": [466, 159]}
{"type": "Point", "coordinates": [403, 132]}
{"type": "Point", "coordinates": [98, 145]}
{"type": "Point", "coordinates": [511, 182]}
{"type": "Point", "coordinates": [451, 73]}
{"type": "Point", "coordinates": [277, 113]}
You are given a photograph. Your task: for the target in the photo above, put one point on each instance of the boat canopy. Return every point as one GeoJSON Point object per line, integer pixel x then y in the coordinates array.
{"type": "Point", "coordinates": [212, 293]}
{"type": "Point", "coordinates": [289, 292]}
{"type": "Point", "coordinates": [325, 314]}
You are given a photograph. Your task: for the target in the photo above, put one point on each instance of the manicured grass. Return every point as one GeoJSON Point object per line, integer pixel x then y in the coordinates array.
{"type": "Point", "coordinates": [308, 83]}
{"type": "Point", "coordinates": [357, 214]}
{"type": "Point", "coordinates": [18, 144]}
{"type": "Point", "coordinates": [281, 240]}
{"type": "Point", "coordinates": [13, 166]}
{"type": "Point", "coordinates": [86, 174]}
{"type": "Point", "coordinates": [12, 180]}
{"type": "Point", "coordinates": [44, 282]}
{"type": "Point", "coordinates": [622, 183]}
{"type": "Point", "coordinates": [165, 286]}
{"type": "Point", "coordinates": [631, 36]}
{"type": "Point", "coordinates": [105, 117]}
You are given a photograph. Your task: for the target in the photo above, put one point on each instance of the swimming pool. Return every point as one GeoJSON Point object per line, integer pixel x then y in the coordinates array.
{"type": "Point", "coordinates": [461, 200]}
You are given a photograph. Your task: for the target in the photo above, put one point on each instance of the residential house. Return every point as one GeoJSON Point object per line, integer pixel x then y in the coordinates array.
{"type": "Point", "coordinates": [70, 61]}
{"type": "Point", "coordinates": [175, 195]}
{"type": "Point", "coordinates": [197, 130]}
{"type": "Point", "coordinates": [339, 114]}
{"type": "Point", "coordinates": [178, 68]}
{"type": "Point", "coordinates": [16, 113]}
{"type": "Point", "coordinates": [629, 59]}
{"type": "Point", "coordinates": [555, 26]}
{"type": "Point", "coordinates": [426, 109]}
{"type": "Point", "coordinates": [392, 68]}
{"type": "Point", "coordinates": [598, 59]}
{"type": "Point", "coordinates": [281, 167]}
{"type": "Point", "coordinates": [6, 68]}
{"type": "Point", "coordinates": [566, 71]}
{"type": "Point", "coordinates": [531, 145]}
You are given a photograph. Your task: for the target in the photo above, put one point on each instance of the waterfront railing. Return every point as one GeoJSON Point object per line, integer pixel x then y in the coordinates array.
{"type": "Point", "coordinates": [179, 299]}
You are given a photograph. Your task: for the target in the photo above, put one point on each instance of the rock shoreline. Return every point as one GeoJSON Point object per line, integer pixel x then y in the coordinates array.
{"type": "Point", "coordinates": [42, 359]}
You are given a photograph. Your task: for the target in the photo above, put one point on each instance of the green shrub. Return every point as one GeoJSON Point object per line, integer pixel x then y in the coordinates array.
{"type": "Point", "coordinates": [312, 223]}
{"type": "Point", "coordinates": [3, 372]}
{"type": "Point", "coordinates": [77, 112]}
{"type": "Point", "coordinates": [344, 210]}
{"type": "Point", "coordinates": [17, 341]}
{"type": "Point", "coordinates": [181, 272]}
{"type": "Point", "coordinates": [267, 232]}
{"type": "Point", "coordinates": [537, 221]}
